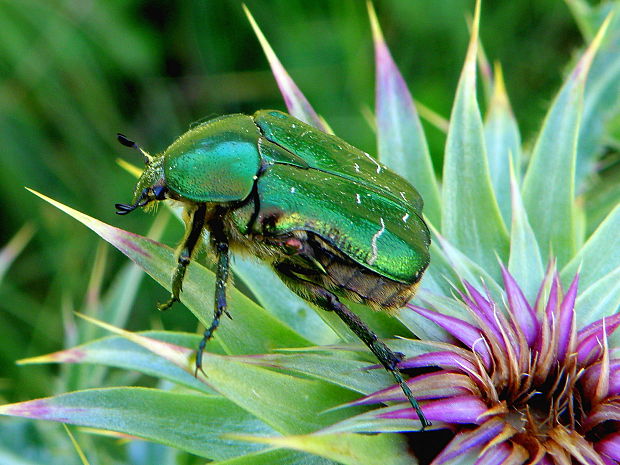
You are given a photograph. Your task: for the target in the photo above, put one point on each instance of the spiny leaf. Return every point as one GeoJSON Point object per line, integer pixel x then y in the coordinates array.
{"type": "Point", "coordinates": [549, 184]}
{"type": "Point", "coordinates": [503, 143]}
{"type": "Point", "coordinates": [295, 101]}
{"type": "Point", "coordinates": [190, 422]}
{"type": "Point", "coordinates": [601, 299]}
{"type": "Point", "coordinates": [471, 219]}
{"type": "Point", "coordinates": [348, 449]}
{"type": "Point", "coordinates": [256, 389]}
{"type": "Point", "coordinates": [116, 351]}
{"type": "Point", "coordinates": [602, 92]}
{"type": "Point", "coordinates": [400, 138]}
{"type": "Point", "coordinates": [525, 263]}
{"type": "Point", "coordinates": [599, 256]}
{"type": "Point", "coordinates": [277, 457]}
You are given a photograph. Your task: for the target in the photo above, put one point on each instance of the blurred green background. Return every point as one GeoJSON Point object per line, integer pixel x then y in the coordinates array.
{"type": "Point", "coordinates": [74, 73]}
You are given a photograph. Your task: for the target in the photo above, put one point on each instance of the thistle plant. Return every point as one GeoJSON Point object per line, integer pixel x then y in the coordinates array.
{"type": "Point", "coordinates": [511, 363]}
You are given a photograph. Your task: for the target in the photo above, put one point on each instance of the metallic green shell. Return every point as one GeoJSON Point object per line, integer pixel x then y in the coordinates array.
{"type": "Point", "coordinates": [215, 162]}
{"type": "Point", "coordinates": [332, 189]}
{"type": "Point", "coordinates": [332, 155]}
{"type": "Point", "coordinates": [371, 229]}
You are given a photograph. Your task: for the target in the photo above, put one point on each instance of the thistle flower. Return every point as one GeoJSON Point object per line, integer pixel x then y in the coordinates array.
{"type": "Point", "coordinates": [524, 382]}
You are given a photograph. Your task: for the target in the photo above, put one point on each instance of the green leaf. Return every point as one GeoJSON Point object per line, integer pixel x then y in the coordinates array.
{"type": "Point", "coordinates": [335, 369]}
{"type": "Point", "coordinates": [252, 329]}
{"type": "Point", "coordinates": [549, 184]}
{"type": "Point", "coordinates": [194, 423]}
{"type": "Point", "coordinates": [599, 256]}
{"type": "Point", "coordinates": [525, 263]}
{"type": "Point", "coordinates": [503, 143]}
{"type": "Point", "coordinates": [400, 138]}
{"type": "Point", "coordinates": [273, 294]}
{"type": "Point", "coordinates": [602, 92]}
{"type": "Point", "coordinates": [469, 271]}
{"type": "Point", "coordinates": [471, 219]}
{"type": "Point", "coordinates": [116, 351]}
{"type": "Point", "coordinates": [348, 449]}
{"type": "Point", "coordinates": [255, 389]}
{"type": "Point", "coordinates": [277, 457]}
{"type": "Point", "coordinates": [601, 299]}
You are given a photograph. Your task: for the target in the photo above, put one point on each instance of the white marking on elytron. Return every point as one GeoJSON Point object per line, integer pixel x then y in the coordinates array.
{"type": "Point", "coordinates": [374, 161]}
{"type": "Point", "coordinates": [402, 195]}
{"type": "Point", "coordinates": [373, 243]}
{"type": "Point", "coordinates": [255, 178]}
{"type": "Point", "coordinates": [292, 190]}
{"type": "Point", "coordinates": [405, 218]}
{"type": "Point", "coordinates": [358, 199]}
{"type": "Point", "coordinates": [357, 167]}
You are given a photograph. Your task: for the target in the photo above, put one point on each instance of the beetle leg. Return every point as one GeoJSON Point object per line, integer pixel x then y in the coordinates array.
{"type": "Point", "coordinates": [185, 255]}
{"type": "Point", "coordinates": [328, 301]}
{"type": "Point", "coordinates": [220, 245]}
{"type": "Point", "coordinates": [385, 355]}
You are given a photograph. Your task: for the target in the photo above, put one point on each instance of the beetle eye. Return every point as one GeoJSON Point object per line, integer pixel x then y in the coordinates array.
{"type": "Point", "coordinates": [159, 192]}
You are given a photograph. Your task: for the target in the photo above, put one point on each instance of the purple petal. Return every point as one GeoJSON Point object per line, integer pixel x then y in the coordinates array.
{"type": "Point", "coordinates": [552, 302]}
{"type": "Point", "coordinates": [459, 410]}
{"type": "Point", "coordinates": [520, 309]}
{"type": "Point", "coordinates": [428, 386]}
{"type": "Point", "coordinates": [609, 447]}
{"type": "Point", "coordinates": [590, 339]}
{"type": "Point", "coordinates": [443, 359]}
{"type": "Point", "coordinates": [482, 305]}
{"type": "Point", "coordinates": [495, 455]}
{"type": "Point", "coordinates": [464, 441]}
{"type": "Point", "coordinates": [567, 317]}
{"type": "Point", "coordinates": [610, 322]}
{"type": "Point", "coordinates": [464, 332]}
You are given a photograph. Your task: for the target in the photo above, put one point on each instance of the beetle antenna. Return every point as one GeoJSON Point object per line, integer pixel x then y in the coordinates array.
{"type": "Point", "coordinates": [123, 208]}
{"type": "Point", "coordinates": [127, 142]}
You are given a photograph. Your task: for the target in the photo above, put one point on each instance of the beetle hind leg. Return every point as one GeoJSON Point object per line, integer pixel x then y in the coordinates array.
{"type": "Point", "coordinates": [330, 302]}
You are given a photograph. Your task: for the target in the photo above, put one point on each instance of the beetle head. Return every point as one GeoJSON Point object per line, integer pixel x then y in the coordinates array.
{"type": "Point", "coordinates": [150, 186]}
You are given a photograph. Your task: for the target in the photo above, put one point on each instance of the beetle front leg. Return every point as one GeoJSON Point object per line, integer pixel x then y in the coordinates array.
{"type": "Point", "coordinates": [220, 244]}
{"type": "Point", "coordinates": [197, 222]}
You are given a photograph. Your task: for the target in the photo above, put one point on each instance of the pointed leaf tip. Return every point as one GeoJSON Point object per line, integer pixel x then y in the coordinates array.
{"type": "Point", "coordinates": [295, 101]}
{"type": "Point", "coordinates": [401, 141]}
{"type": "Point", "coordinates": [583, 66]}
{"type": "Point", "coordinates": [471, 218]}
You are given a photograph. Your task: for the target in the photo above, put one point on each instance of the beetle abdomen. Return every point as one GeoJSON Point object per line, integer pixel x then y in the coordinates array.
{"type": "Point", "coordinates": [344, 276]}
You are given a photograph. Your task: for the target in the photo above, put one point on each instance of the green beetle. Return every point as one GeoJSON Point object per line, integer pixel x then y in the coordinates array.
{"type": "Point", "coordinates": [330, 220]}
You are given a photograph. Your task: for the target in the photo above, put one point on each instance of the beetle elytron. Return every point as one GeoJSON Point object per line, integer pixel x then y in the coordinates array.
{"type": "Point", "coordinates": [330, 220]}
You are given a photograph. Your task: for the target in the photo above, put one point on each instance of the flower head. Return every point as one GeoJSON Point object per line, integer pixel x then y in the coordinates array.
{"type": "Point", "coordinates": [524, 382]}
